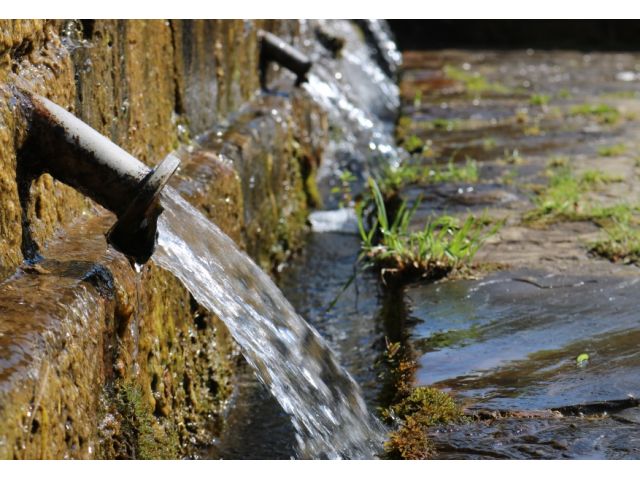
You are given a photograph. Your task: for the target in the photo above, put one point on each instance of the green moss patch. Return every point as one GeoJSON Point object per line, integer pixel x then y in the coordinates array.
{"type": "Point", "coordinates": [474, 83]}
{"type": "Point", "coordinates": [142, 436]}
{"type": "Point", "coordinates": [603, 113]}
{"type": "Point", "coordinates": [425, 407]}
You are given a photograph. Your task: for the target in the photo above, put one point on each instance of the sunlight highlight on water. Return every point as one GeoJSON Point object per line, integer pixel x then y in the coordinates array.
{"type": "Point", "coordinates": [289, 356]}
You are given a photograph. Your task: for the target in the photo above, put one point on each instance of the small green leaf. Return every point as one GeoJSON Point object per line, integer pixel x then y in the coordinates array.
{"type": "Point", "coordinates": [582, 359]}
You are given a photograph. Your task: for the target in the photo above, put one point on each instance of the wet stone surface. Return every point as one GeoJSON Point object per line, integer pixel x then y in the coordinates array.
{"type": "Point", "coordinates": [558, 438]}
{"type": "Point", "coordinates": [510, 341]}
{"type": "Point", "coordinates": [506, 344]}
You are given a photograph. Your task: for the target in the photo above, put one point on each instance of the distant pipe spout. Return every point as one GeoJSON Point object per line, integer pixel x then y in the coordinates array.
{"type": "Point", "coordinates": [333, 43]}
{"type": "Point", "coordinates": [71, 151]}
{"type": "Point", "coordinates": [274, 49]}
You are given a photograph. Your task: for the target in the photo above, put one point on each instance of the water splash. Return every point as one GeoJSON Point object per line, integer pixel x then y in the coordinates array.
{"type": "Point", "coordinates": [361, 101]}
{"type": "Point", "coordinates": [325, 404]}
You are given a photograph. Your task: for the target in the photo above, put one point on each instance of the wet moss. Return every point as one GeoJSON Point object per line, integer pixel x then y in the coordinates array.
{"type": "Point", "coordinates": [474, 83]}
{"type": "Point", "coordinates": [144, 441]}
{"type": "Point", "coordinates": [603, 113]}
{"type": "Point", "coordinates": [410, 411]}
{"type": "Point", "coordinates": [413, 410]}
{"type": "Point", "coordinates": [428, 405]}
{"type": "Point", "coordinates": [410, 442]}
{"type": "Point", "coordinates": [425, 407]}
{"type": "Point", "coordinates": [314, 199]}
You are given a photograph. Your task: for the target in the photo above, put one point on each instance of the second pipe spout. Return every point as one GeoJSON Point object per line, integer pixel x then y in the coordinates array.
{"type": "Point", "coordinates": [71, 151]}
{"type": "Point", "coordinates": [274, 49]}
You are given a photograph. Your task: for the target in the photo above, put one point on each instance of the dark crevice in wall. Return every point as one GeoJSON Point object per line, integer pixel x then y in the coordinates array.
{"type": "Point", "coordinates": [24, 179]}
{"type": "Point", "coordinates": [179, 101]}
{"type": "Point", "coordinates": [87, 28]}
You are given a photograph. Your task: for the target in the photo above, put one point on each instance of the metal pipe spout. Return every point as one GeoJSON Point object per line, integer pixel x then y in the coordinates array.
{"type": "Point", "coordinates": [274, 49]}
{"type": "Point", "coordinates": [72, 152]}
{"type": "Point", "coordinates": [333, 43]}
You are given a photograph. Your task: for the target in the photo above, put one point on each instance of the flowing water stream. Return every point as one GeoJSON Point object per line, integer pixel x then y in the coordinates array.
{"type": "Point", "coordinates": [327, 411]}
{"type": "Point", "coordinates": [325, 405]}
{"type": "Point", "coordinates": [361, 102]}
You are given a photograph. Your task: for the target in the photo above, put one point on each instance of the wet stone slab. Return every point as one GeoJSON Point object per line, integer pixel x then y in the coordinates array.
{"type": "Point", "coordinates": [593, 438]}
{"type": "Point", "coordinates": [507, 346]}
{"type": "Point", "coordinates": [510, 341]}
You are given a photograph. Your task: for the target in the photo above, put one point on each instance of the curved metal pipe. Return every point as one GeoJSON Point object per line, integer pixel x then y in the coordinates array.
{"type": "Point", "coordinates": [274, 49]}
{"type": "Point", "coordinates": [71, 151]}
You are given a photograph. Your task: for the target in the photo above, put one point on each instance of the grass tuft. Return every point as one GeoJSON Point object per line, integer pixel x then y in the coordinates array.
{"type": "Point", "coordinates": [622, 243]}
{"type": "Point", "coordinates": [564, 199]}
{"type": "Point", "coordinates": [539, 99]}
{"type": "Point", "coordinates": [612, 150]}
{"type": "Point", "coordinates": [602, 113]}
{"type": "Point", "coordinates": [474, 83]}
{"type": "Point", "coordinates": [443, 245]}
{"type": "Point", "coordinates": [413, 144]}
{"type": "Point", "coordinates": [394, 179]}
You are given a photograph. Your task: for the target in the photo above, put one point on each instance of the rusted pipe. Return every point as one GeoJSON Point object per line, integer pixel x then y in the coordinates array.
{"type": "Point", "coordinates": [274, 49]}
{"type": "Point", "coordinates": [71, 151]}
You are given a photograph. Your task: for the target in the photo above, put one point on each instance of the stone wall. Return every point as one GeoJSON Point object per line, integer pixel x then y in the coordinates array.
{"type": "Point", "coordinates": [97, 360]}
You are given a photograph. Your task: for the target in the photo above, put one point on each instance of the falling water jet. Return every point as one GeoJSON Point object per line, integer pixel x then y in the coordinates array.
{"type": "Point", "coordinates": [361, 102]}
{"type": "Point", "coordinates": [379, 39]}
{"type": "Point", "coordinates": [294, 362]}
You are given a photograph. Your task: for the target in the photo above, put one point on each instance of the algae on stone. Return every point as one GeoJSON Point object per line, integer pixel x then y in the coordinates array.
{"type": "Point", "coordinates": [117, 352]}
